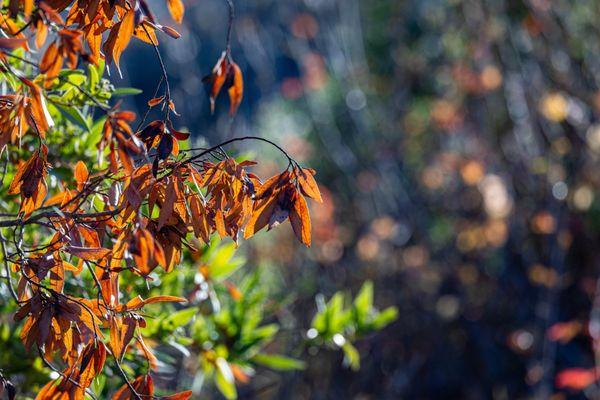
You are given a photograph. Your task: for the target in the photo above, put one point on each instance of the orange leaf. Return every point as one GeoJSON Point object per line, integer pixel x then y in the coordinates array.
{"type": "Point", "coordinates": [308, 185]}
{"type": "Point", "coordinates": [155, 101]}
{"type": "Point", "coordinates": [178, 396]}
{"type": "Point", "coordinates": [143, 385]}
{"type": "Point", "coordinates": [119, 37]}
{"type": "Point", "coordinates": [260, 217]}
{"type": "Point", "coordinates": [51, 390]}
{"type": "Point", "coordinates": [220, 223]}
{"type": "Point", "coordinates": [159, 299]}
{"type": "Point", "coordinates": [300, 220]}
{"type": "Point", "coordinates": [236, 90]}
{"type": "Point", "coordinates": [81, 173]}
{"type": "Point", "coordinates": [271, 185]}
{"type": "Point", "coordinates": [12, 43]}
{"type": "Point", "coordinates": [167, 207]}
{"type": "Point", "coordinates": [88, 253]}
{"type": "Point", "coordinates": [176, 9]}
{"type": "Point", "coordinates": [50, 59]}
{"type": "Point", "coordinates": [145, 32]}
{"type": "Point", "coordinates": [137, 302]}
{"type": "Point", "coordinates": [199, 220]}
{"type": "Point", "coordinates": [217, 79]}
{"type": "Point", "coordinates": [152, 360]}
{"type": "Point", "coordinates": [41, 33]}
{"type": "Point", "coordinates": [121, 334]}
{"type": "Point", "coordinates": [57, 277]}
{"type": "Point", "coordinates": [93, 359]}
{"type": "Point", "coordinates": [38, 114]}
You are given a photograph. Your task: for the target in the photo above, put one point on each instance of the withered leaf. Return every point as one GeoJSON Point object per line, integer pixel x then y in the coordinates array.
{"type": "Point", "coordinates": [260, 216]}
{"type": "Point", "coordinates": [308, 185]}
{"type": "Point", "coordinates": [88, 253]}
{"type": "Point", "coordinates": [236, 88]}
{"type": "Point", "coordinates": [300, 220]}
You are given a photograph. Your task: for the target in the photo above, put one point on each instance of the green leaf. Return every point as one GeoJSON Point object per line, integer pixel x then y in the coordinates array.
{"type": "Point", "coordinates": [98, 384]}
{"type": "Point", "coordinates": [11, 79]}
{"type": "Point", "coordinates": [224, 379]}
{"type": "Point", "coordinates": [363, 303]}
{"type": "Point", "coordinates": [70, 79]}
{"type": "Point", "coordinates": [178, 319]}
{"type": "Point", "coordinates": [223, 264]}
{"type": "Point", "coordinates": [74, 115]}
{"type": "Point", "coordinates": [95, 133]}
{"type": "Point", "coordinates": [265, 332]}
{"type": "Point", "coordinates": [94, 78]}
{"type": "Point", "coordinates": [336, 315]}
{"type": "Point", "coordinates": [384, 318]}
{"type": "Point", "coordinates": [278, 362]}
{"type": "Point", "coordinates": [100, 68]}
{"type": "Point", "coordinates": [351, 356]}
{"type": "Point", "coordinates": [126, 91]}
{"type": "Point", "coordinates": [319, 321]}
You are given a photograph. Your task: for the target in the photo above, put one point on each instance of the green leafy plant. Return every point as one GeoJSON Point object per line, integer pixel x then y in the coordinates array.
{"type": "Point", "coordinates": [338, 322]}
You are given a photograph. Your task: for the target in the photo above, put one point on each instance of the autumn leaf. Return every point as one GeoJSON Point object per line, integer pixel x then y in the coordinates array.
{"type": "Point", "coordinates": [30, 182]}
{"type": "Point", "coordinates": [81, 174]}
{"type": "Point", "coordinates": [88, 253]}
{"type": "Point", "coordinates": [143, 386]}
{"type": "Point", "coordinates": [92, 363]}
{"type": "Point", "coordinates": [260, 217]}
{"type": "Point", "coordinates": [155, 101]}
{"type": "Point", "coordinates": [159, 299]}
{"type": "Point", "coordinates": [125, 216]}
{"type": "Point", "coordinates": [176, 9]}
{"type": "Point", "coordinates": [121, 334]}
{"type": "Point", "coordinates": [51, 62]}
{"type": "Point", "coordinates": [119, 37]}
{"type": "Point", "coordinates": [37, 111]}
{"type": "Point", "coordinates": [178, 396]}
{"type": "Point", "coordinates": [308, 185]}
{"type": "Point", "coordinates": [12, 43]}
{"type": "Point", "coordinates": [216, 79]}
{"type": "Point", "coordinates": [137, 302]}
{"type": "Point", "coordinates": [236, 88]}
{"type": "Point", "coordinates": [300, 220]}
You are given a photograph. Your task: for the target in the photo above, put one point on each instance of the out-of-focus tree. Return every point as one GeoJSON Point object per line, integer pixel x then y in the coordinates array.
{"type": "Point", "coordinates": [457, 142]}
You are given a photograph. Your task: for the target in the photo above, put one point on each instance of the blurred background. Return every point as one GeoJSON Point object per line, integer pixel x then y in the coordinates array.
{"type": "Point", "coordinates": [457, 146]}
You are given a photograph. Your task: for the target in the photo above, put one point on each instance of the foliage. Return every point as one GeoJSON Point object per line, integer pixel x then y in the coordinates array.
{"type": "Point", "coordinates": [338, 325]}
{"type": "Point", "coordinates": [94, 207]}
{"type": "Point", "coordinates": [457, 144]}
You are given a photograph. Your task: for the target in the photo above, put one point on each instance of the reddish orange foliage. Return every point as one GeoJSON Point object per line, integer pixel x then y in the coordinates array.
{"type": "Point", "coordinates": [153, 196]}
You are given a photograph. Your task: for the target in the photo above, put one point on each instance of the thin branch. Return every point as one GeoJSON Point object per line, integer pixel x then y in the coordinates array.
{"type": "Point", "coordinates": [124, 375]}
{"type": "Point", "coordinates": [54, 214]}
{"type": "Point", "coordinates": [167, 99]}
{"type": "Point", "coordinates": [7, 269]}
{"type": "Point", "coordinates": [239, 139]}
{"type": "Point", "coordinates": [229, 27]}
